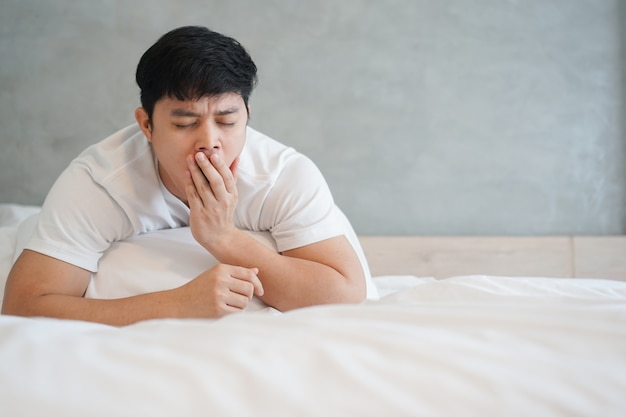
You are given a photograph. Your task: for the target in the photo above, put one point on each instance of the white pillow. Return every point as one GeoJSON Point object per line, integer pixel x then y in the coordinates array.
{"type": "Point", "coordinates": [156, 261]}
{"type": "Point", "coordinates": [159, 260]}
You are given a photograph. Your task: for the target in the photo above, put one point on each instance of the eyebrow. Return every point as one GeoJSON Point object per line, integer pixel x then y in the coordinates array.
{"type": "Point", "coordinates": [184, 113]}
{"type": "Point", "coordinates": [190, 113]}
{"type": "Point", "coordinates": [227, 111]}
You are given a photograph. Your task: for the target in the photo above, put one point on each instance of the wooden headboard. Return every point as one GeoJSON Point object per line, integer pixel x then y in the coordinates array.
{"type": "Point", "coordinates": [441, 257]}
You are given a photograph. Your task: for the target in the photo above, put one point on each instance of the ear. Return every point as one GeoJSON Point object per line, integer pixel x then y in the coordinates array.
{"type": "Point", "coordinates": [143, 120]}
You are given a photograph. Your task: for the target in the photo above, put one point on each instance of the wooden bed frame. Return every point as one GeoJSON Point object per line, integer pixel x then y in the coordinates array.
{"type": "Point", "coordinates": [442, 257]}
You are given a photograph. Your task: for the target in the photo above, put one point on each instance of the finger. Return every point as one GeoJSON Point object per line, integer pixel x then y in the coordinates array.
{"type": "Point", "coordinates": [250, 275]}
{"type": "Point", "coordinates": [212, 176]}
{"type": "Point", "coordinates": [200, 180]}
{"type": "Point", "coordinates": [193, 198]}
{"type": "Point", "coordinates": [225, 173]}
{"type": "Point", "coordinates": [236, 300]}
{"type": "Point", "coordinates": [228, 309]}
{"type": "Point", "coordinates": [258, 285]}
{"type": "Point", "coordinates": [243, 287]}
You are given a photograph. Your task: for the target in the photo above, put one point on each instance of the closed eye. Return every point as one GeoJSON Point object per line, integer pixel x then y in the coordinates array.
{"type": "Point", "coordinates": [184, 126]}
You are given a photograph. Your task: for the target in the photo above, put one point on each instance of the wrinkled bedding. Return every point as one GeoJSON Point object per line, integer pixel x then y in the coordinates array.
{"type": "Point", "coordinates": [470, 346]}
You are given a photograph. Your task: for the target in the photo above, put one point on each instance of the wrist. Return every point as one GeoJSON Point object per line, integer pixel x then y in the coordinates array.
{"type": "Point", "coordinates": [217, 244]}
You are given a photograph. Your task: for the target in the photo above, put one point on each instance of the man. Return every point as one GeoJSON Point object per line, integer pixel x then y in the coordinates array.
{"type": "Point", "coordinates": [191, 160]}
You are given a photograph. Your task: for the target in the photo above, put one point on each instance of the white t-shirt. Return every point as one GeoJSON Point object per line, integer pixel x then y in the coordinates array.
{"type": "Point", "coordinates": [112, 191]}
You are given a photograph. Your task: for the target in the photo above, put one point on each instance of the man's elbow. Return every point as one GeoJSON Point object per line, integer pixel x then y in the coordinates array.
{"type": "Point", "coordinates": [357, 295]}
{"type": "Point", "coordinates": [351, 291]}
{"type": "Point", "coordinates": [12, 307]}
{"type": "Point", "coordinates": [19, 302]}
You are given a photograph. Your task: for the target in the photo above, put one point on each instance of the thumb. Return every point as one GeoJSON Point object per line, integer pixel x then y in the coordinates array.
{"type": "Point", "coordinates": [258, 286]}
{"type": "Point", "coordinates": [234, 167]}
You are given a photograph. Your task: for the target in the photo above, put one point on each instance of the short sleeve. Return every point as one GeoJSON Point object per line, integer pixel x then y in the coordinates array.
{"type": "Point", "coordinates": [300, 206]}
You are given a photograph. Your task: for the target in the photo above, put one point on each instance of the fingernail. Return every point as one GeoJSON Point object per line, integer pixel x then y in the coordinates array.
{"type": "Point", "coordinates": [215, 158]}
{"type": "Point", "coordinates": [201, 156]}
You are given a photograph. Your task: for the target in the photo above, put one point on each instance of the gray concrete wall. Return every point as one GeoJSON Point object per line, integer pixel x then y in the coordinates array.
{"type": "Point", "coordinates": [449, 117]}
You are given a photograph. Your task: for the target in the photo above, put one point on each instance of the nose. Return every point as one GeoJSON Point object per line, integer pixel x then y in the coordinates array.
{"type": "Point", "coordinates": [207, 140]}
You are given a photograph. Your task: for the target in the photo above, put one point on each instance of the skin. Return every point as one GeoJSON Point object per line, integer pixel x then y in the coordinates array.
{"type": "Point", "coordinates": [197, 144]}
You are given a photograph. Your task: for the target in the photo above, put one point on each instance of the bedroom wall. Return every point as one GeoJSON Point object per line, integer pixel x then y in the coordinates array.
{"type": "Point", "coordinates": [427, 117]}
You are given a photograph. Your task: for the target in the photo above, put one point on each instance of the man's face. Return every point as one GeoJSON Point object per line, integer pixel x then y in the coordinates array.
{"type": "Point", "coordinates": [210, 125]}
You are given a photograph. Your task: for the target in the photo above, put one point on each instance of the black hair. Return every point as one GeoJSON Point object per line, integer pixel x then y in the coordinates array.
{"type": "Point", "coordinates": [192, 62]}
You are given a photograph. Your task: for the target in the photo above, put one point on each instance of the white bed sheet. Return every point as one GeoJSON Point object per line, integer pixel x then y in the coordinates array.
{"type": "Point", "coordinates": [470, 346]}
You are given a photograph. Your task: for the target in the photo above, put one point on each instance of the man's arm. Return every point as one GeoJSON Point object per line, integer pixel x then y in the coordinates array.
{"type": "Point", "coordinates": [39, 285]}
{"type": "Point", "coordinates": [321, 273]}
{"type": "Point", "coordinates": [324, 272]}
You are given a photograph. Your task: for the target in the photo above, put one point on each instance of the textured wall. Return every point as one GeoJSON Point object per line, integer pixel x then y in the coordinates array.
{"type": "Point", "coordinates": [443, 117]}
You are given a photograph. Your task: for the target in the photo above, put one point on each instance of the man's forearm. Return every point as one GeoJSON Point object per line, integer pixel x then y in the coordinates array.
{"type": "Point", "coordinates": [39, 285]}
{"type": "Point", "coordinates": [117, 312]}
{"type": "Point", "coordinates": [293, 281]}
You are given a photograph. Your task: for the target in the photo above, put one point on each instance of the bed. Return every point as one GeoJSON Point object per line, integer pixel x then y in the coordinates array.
{"type": "Point", "coordinates": [461, 326]}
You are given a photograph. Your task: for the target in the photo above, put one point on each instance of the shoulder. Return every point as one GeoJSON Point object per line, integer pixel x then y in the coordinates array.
{"type": "Point", "coordinates": [279, 188]}
{"type": "Point", "coordinates": [125, 167]}
{"type": "Point", "coordinates": [107, 193]}
{"type": "Point", "coordinates": [268, 167]}
{"type": "Point", "coordinates": [266, 158]}
{"type": "Point", "coordinates": [113, 182]}
{"type": "Point", "coordinates": [105, 159]}
{"type": "Point", "coordinates": [94, 170]}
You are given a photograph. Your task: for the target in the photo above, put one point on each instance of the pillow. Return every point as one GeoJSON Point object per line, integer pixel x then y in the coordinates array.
{"type": "Point", "coordinates": [156, 261]}
{"type": "Point", "coordinates": [160, 260]}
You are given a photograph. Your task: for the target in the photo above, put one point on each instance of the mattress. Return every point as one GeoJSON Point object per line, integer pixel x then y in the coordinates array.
{"type": "Point", "coordinates": [474, 345]}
